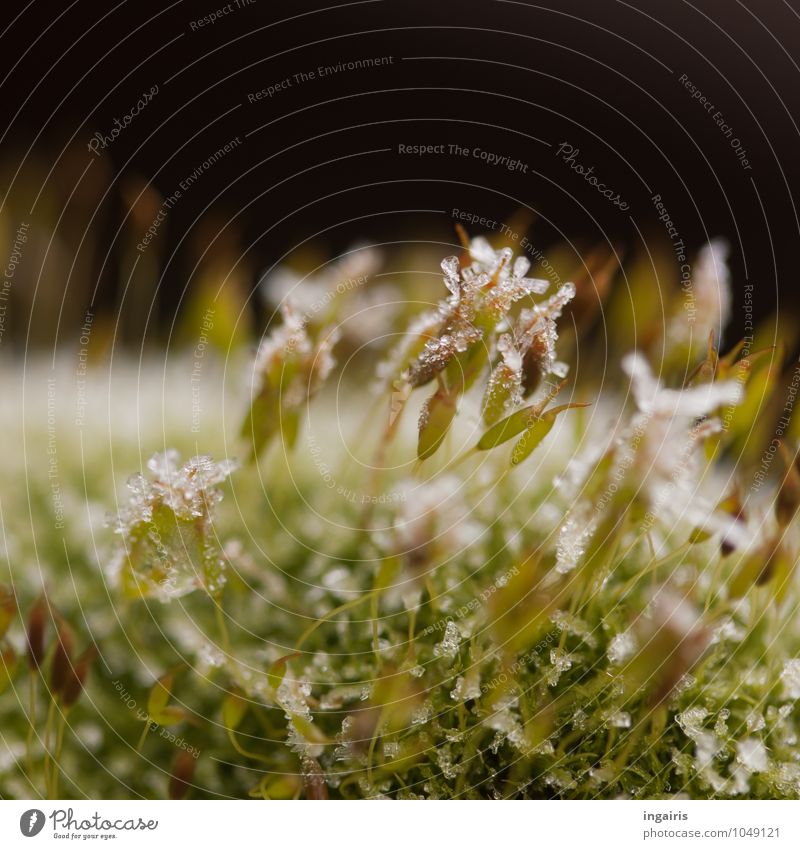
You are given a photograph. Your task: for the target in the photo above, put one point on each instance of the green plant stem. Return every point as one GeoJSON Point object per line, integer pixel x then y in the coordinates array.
{"type": "Point", "coordinates": [246, 752]}
{"type": "Point", "coordinates": [31, 723]}
{"type": "Point", "coordinates": [331, 613]}
{"type": "Point", "coordinates": [47, 753]}
{"type": "Point", "coordinates": [62, 724]}
{"type": "Point", "coordinates": [219, 613]}
{"type": "Point", "coordinates": [145, 732]}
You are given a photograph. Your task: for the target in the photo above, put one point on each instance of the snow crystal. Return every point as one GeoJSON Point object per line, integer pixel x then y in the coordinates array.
{"type": "Point", "coordinates": [691, 403]}
{"type": "Point", "coordinates": [755, 721]}
{"type": "Point", "coordinates": [752, 755]}
{"type": "Point", "coordinates": [450, 642]}
{"type": "Point", "coordinates": [521, 266]}
{"type": "Point", "coordinates": [467, 687]}
{"type": "Point", "coordinates": [620, 719]}
{"type": "Point", "coordinates": [721, 724]}
{"type": "Point", "coordinates": [573, 625]}
{"type": "Point", "coordinates": [622, 647]}
{"type": "Point", "coordinates": [790, 676]}
{"type": "Point", "coordinates": [706, 748]}
{"type": "Point", "coordinates": [572, 539]}
{"type": "Point", "coordinates": [422, 714]}
{"type": "Point", "coordinates": [691, 721]}
{"type": "Point", "coordinates": [562, 662]}
{"type": "Point", "coordinates": [451, 269]}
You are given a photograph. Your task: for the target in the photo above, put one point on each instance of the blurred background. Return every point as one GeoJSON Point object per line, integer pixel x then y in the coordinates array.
{"type": "Point", "coordinates": [108, 110]}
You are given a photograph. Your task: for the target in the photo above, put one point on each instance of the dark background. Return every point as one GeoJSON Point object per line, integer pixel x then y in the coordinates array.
{"type": "Point", "coordinates": [603, 76]}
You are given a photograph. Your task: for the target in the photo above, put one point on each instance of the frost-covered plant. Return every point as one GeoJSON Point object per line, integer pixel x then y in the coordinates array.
{"type": "Point", "coordinates": [526, 595]}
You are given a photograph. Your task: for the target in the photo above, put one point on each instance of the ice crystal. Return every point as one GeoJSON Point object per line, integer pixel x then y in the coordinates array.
{"type": "Point", "coordinates": [480, 297]}
{"type": "Point", "coordinates": [536, 335]}
{"type": "Point", "coordinates": [707, 745]}
{"type": "Point", "coordinates": [691, 721]}
{"type": "Point", "coordinates": [721, 724]}
{"type": "Point", "coordinates": [752, 755]}
{"type": "Point", "coordinates": [422, 715]}
{"type": "Point", "coordinates": [561, 662]}
{"type": "Point", "coordinates": [755, 721]}
{"type": "Point", "coordinates": [790, 676]}
{"type": "Point", "coordinates": [504, 391]}
{"type": "Point", "coordinates": [290, 367]}
{"type": "Point", "coordinates": [574, 625]}
{"type": "Point", "coordinates": [619, 719]}
{"type": "Point", "coordinates": [622, 647]}
{"type": "Point", "coordinates": [444, 758]}
{"type": "Point", "coordinates": [450, 642]}
{"type": "Point", "coordinates": [665, 434]}
{"type": "Point", "coordinates": [467, 686]}
{"type": "Point", "coordinates": [573, 537]}
{"type": "Point", "coordinates": [168, 545]}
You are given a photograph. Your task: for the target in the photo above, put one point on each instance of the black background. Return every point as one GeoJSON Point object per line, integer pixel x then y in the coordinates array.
{"type": "Point", "coordinates": [603, 76]}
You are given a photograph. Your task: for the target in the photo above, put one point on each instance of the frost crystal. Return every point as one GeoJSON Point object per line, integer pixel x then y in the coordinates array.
{"type": "Point", "coordinates": [290, 367]}
{"type": "Point", "coordinates": [665, 434]}
{"type": "Point", "coordinates": [168, 543]}
{"type": "Point", "coordinates": [620, 719]}
{"type": "Point", "coordinates": [574, 625]}
{"type": "Point", "coordinates": [480, 296]}
{"type": "Point", "coordinates": [790, 676]}
{"type": "Point", "coordinates": [707, 746]}
{"type": "Point", "coordinates": [691, 721]}
{"type": "Point", "coordinates": [467, 686]}
{"type": "Point", "coordinates": [572, 540]}
{"type": "Point", "coordinates": [752, 755]}
{"type": "Point", "coordinates": [562, 662]}
{"type": "Point", "coordinates": [422, 715]}
{"type": "Point", "coordinates": [450, 642]}
{"type": "Point", "coordinates": [622, 647]}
